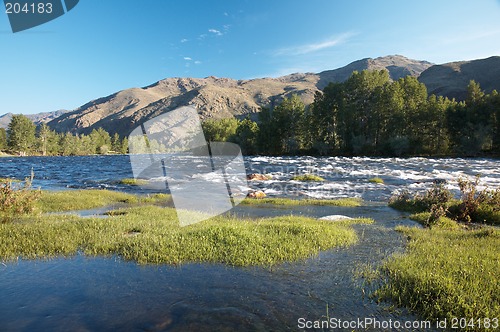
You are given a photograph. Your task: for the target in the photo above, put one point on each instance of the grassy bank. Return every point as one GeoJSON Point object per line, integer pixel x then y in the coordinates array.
{"type": "Point", "coordinates": [446, 274]}
{"type": "Point", "coordinates": [452, 266]}
{"type": "Point", "coordinates": [346, 202]}
{"type": "Point", "coordinates": [151, 234]}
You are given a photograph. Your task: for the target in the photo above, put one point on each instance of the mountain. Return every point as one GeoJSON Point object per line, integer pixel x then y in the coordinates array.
{"type": "Point", "coordinates": [37, 118]}
{"type": "Point", "coordinates": [397, 65]}
{"type": "Point", "coordinates": [215, 97]}
{"type": "Point", "coordinates": [451, 79]}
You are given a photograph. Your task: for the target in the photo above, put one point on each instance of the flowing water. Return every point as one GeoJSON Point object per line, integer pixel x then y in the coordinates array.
{"type": "Point", "coordinates": [107, 294]}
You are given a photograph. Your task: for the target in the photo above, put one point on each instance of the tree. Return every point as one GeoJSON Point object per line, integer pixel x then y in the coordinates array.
{"type": "Point", "coordinates": [220, 130]}
{"type": "Point", "coordinates": [3, 139]}
{"type": "Point", "coordinates": [286, 119]}
{"type": "Point", "coordinates": [246, 135]}
{"type": "Point", "coordinates": [101, 140]}
{"type": "Point", "coordinates": [116, 143]}
{"type": "Point", "coordinates": [47, 141]}
{"type": "Point", "coordinates": [21, 134]}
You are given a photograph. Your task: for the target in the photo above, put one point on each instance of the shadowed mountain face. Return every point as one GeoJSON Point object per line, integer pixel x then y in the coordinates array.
{"type": "Point", "coordinates": [215, 97]}
{"type": "Point", "coordinates": [451, 79]}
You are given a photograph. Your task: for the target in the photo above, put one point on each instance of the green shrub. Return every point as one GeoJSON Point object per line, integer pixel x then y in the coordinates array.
{"type": "Point", "coordinates": [17, 198]}
{"type": "Point", "coordinates": [478, 206]}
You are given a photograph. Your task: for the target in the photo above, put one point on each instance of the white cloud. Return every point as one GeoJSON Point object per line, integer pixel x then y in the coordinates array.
{"type": "Point", "coordinates": [226, 14]}
{"type": "Point", "coordinates": [184, 40]}
{"type": "Point", "coordinates": [187, 58]}
{"type": "Point", "coordinates": [215, 31]}
{"type": "Point", "coordinates": [197, 62]}
{"type": "Point", "coordinates": [314, 47]}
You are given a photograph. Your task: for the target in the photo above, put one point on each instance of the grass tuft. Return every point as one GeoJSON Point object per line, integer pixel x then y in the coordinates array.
{"type": "Point", "coordinates": [376, 180]}
{"type": "Point", "coordinates": [345, 202]}
{"type": "Point", "coordinates": [133, 182]}
{"type": "Point", "coordinates": [308, 177]}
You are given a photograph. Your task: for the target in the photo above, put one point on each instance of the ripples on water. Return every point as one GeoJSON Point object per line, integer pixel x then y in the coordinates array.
{"type": "Point", "coordinates": [107, 294]}
{"type": "Point", "coordinates": [345, 177]}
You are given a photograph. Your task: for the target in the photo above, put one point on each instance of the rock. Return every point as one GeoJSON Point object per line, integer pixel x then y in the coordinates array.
{"type": "Point", "coordinates": [335, 217]}
{"type": "Point", "coordinates": [257, 177]}
{"type": "Point", "coordinates": [256, 194]}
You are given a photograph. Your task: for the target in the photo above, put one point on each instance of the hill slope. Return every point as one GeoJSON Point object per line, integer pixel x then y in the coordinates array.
{"type": "Point", "coordinates": [451, 79]}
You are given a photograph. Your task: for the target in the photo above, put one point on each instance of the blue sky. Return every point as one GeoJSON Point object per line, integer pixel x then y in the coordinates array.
{"type": "Point", "coordinates": [103, 46]}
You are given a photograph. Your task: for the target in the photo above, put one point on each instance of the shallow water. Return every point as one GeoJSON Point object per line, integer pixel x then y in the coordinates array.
{"type": "Point", "coordinates": [108, 294]}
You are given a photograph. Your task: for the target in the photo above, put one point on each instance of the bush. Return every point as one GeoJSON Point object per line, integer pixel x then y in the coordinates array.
{"type": "Point", "coordinates": [437, 196]}
{"type": "Point", "coordinates": [478, 206]}
{"type": "Point", "coordinates": [17, 198]}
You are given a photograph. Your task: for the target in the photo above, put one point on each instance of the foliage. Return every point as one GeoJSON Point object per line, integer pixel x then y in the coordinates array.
{"type": "Point", "coordinates": [445, 274]}
{"type": "Point", "coordinates": [476, 205]}
{"type": "Point", "coordinates": [17, 198]}
{"type": "Point", "coordinates": [480, 206]}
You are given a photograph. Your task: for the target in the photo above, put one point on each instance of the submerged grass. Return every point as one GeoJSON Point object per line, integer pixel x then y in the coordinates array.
{"type": "Point", "coordinates": [346, 202]}
{"type": "Point", "coordinates": [151, 234]}
{"type": "Point", "coordinates": [446, 273]}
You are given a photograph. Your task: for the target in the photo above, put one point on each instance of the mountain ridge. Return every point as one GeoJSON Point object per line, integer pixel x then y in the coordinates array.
{"type": "Point", "coordinates": [216, 97]}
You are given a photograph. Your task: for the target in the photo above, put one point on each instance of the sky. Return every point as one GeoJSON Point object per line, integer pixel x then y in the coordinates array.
{"type": "Point", "coordinates": [103, 46]}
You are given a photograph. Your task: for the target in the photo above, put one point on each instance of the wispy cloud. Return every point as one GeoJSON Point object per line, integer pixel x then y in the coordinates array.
{"type": "Point", "coordinates": [184, 40]}
{"type": "Point", "coordinates": [197, 62]}
{"type": "Point", "coordinates": [187, 58]}
{"type": "Point", "coordinates": [215, 31]}
{"type": "Point", "coordinates": [314, 47]}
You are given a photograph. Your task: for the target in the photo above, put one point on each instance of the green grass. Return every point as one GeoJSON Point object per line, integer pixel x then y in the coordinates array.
{"type": "Point", "coordinates": [346, 202]}
{"type": "Point", "coordinates": [148, 233]}
{"type": "Point", "coordinates": [133, 182]}
{"type": "Point", "coordinates": [69, 200]}
{"type": "Point", "coordinates": [151, 234]}
{"type": "Point", "coordinates": [308, 177]}
{"type": "Point", "coordinates": [376, 180]}
{"type": "Point", "coordinates": [446, 273]}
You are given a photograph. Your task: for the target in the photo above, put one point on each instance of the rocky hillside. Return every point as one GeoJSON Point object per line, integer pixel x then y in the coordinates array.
{"type": "Point", "coordinates": [451, 79]}
{"type": "Point", "coordinates": [215, 97]}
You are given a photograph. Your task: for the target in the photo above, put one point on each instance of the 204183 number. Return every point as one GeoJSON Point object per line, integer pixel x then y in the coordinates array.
{"type": "Point", "coordinates": [25, 8]}
{"type": "Point", "coordinates": [484, 323]}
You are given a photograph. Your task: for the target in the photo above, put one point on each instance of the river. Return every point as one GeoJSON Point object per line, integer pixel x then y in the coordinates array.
{"type": "Point", "coordinates": [107, 294]}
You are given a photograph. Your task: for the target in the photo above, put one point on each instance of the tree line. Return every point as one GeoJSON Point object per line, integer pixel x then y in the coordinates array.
{"type": "Point", "coordinates": [24, 138]}
{"type": "Point", "coordinates": [369, 114]}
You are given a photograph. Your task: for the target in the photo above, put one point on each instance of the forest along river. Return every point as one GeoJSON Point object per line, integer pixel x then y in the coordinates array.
{"type": "Point", "coordinates": [85, 293]}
